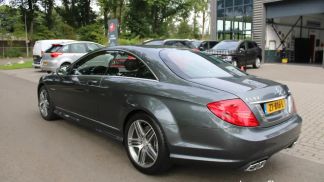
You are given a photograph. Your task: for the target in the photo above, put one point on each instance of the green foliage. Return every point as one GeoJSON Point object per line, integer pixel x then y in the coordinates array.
{"type": "Point", "coordinates": [27, 64]}
{"type": "Point", "coordinates": [93, 32]}
{"type": "Point", "coordinates": [133, 41]}
{"type": "Point", "coordinates": [13, 52]}
{"type": "Point", "coordinates": [184, 30]}
{"type": "Point", "coordinates": [75, 19]}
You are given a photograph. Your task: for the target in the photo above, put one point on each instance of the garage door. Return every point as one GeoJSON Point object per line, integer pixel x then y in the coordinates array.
{"type": "Point", "coordinates": [294, 8]}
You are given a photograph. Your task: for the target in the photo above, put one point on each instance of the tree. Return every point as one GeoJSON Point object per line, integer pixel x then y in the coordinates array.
{"type": "Point", "coordinates": [48, 6]}
{"type": "Point", "coordinates": [148, 17]}
{"type": "Point", "coordinates": [28, 9]}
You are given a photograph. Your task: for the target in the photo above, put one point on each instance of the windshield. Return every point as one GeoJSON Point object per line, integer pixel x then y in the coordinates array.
{"type": "Point", "coordinates": [191, 65]}
{"type": "Point", "coordinates": [226, 45]}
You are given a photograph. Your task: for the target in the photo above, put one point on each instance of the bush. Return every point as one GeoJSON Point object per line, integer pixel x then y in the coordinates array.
{"type": "Point", "coordinates": [133, 41]}
{"type": "Point", "coordinates": [13, 52]}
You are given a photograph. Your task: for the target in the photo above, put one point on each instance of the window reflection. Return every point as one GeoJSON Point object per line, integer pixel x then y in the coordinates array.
{"type": "Point", "coordinates": [234, 19]}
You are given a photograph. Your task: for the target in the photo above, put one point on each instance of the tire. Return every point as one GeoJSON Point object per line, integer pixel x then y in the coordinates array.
{"type": "Point", "coordinates": [257, 63]}
{"type": "Point", "coordinates": [234, 63]}
{"type": "Point", "coordinates": [45, 105]}
{"type": "Point", "coordinates": [149, 155]}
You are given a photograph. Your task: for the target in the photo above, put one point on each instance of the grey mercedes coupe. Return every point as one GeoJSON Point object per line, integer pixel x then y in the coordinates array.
{"type": "Point", "coordinates": [169, 104]}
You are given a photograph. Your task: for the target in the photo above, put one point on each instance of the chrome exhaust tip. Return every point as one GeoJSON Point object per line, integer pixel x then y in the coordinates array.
{"type": "Point", "coordinates": [292, 145]}
{"type": "Point", "coordinates": [255, 166]}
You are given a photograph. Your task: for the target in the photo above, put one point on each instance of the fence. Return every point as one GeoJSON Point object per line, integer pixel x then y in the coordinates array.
{"type": "Point", "coordinates": [15, 52]}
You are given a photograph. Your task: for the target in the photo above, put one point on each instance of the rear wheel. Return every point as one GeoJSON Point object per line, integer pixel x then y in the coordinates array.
{"type": "Point", "coordinates": [257, 63]}
{"type": "Point", "coordinates": [146, 145]}
{"type": "Point", "coordinates": [45, 105]}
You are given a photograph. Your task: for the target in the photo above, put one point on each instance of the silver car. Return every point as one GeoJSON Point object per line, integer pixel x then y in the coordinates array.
{"type": "Point", "coordinates": [64, 54]}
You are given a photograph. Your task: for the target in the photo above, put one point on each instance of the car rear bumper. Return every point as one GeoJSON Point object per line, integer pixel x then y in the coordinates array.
{"type": "Point", "coordinates": [235, 146]}
{"type": "Point", "coordinates": [49, 66]}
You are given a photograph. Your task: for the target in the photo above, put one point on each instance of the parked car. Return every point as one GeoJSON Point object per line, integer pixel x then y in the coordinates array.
{"type": "Point", "coordinates": [41, 46]}
{"type": "Point", "coordinates": [169, 104]}
{"type": "Point", "coordinates": [239, 53]}
{"type": "Point", "coordinates": [184, 43]}
{"type": "Point", "coordinates": [204, 45]}
{"type": "Point", "coordinates": [66, 53]}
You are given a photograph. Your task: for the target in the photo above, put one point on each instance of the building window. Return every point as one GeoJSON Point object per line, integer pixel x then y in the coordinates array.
{"type": "Point", "coordinates": [234, 19]}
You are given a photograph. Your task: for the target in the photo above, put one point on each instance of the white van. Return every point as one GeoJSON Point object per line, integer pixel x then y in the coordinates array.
{"type": "Point", "coordinates": [41, 46]}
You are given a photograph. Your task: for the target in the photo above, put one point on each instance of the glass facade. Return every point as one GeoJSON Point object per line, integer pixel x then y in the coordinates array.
{"type": "Point", "coordinates": [234, 19]}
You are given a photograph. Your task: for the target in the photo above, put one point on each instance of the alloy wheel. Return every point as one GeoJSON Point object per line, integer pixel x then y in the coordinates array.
{"type": "Point", "coordinates": [43, 103]}
{"type": "Point", "coordinates": [142, 143]}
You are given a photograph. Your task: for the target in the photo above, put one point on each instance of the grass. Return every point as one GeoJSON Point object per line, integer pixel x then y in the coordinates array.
{"type": "Point", "coordinates": [27, 64]}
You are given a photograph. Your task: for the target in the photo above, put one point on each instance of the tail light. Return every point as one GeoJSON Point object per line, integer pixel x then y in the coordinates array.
{"type": "Point", "coordinates": [234, 111]}
{"type": "Point", "coordinates": [55, 54]}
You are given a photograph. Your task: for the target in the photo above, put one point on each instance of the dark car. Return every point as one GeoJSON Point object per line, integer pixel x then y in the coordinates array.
{"type": "Point", "coordinates": [204, 45]}
{"type": "Point", "coordinates": [239, 53]}
{"type": "Point", "coordinates": [169, 104]}
{"type": "Point", "coordinates": [181, 43]}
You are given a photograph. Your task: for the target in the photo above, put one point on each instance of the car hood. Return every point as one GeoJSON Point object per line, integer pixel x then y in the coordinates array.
{"type": "Point", "coordinates": [248, 88]}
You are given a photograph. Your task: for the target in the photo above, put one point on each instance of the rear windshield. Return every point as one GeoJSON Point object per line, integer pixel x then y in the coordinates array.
{"type": "Point", "coordinates": [226, 45]}
{"type": "Point", "coordinates": [54, 48]}
{"type": "Point", "coordinates": [190, 65]}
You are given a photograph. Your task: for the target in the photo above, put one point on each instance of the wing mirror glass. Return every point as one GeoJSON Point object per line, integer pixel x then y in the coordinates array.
{"type": "Point", "coordinates": [242, 50]}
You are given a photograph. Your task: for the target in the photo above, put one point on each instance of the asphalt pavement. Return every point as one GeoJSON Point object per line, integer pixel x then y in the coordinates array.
{"type": "Point", "coordinates": [34, 150]}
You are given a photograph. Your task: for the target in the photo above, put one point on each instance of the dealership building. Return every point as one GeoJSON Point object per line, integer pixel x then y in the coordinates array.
{"type": "Point", "coordinates": [296, 26]}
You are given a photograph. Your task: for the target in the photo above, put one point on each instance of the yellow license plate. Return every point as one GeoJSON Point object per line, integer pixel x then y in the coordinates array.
{"type": "Point", "coordinates": [274, 106]}
{"type": "Point", "coordinates": [44, 62]}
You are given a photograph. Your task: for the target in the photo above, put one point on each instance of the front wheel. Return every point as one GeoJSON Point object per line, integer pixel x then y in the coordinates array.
{"type": "Point", "coordinates": [146, 145]}
{"type": "Point", "coordinates": [45, 105]}
{"type": "Point", "coordinates": [257, 63]}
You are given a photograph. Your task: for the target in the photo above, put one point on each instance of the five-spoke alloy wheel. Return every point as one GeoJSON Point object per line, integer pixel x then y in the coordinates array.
{"type": "Point", "coordinates": [146, 145]}
{"type": "Point", "coordinates": [45, 105]}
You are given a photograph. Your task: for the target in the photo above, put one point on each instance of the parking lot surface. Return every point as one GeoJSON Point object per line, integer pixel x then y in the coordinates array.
{"type": "Point", "coordinates": [34, 150]}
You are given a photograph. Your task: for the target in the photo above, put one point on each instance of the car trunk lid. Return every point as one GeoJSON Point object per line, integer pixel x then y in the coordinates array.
{"type": "Point", "coordinates": [256, 92]}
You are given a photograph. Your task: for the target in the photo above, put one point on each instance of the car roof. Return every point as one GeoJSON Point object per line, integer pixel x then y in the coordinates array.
{"type": "Point", "coordinates": [75, 42]}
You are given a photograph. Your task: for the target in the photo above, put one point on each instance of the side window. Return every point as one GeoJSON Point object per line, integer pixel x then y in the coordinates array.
{"type": "Point", "coordinates": [78, 48]}
{"type": "Point", "coordinates": [64, 49]}
{"type": "Point", "coordinates": [127, 65]}
{"type": "Point", "coordinates": [93, 65]}
{"type": "Point", "coordinates": [250, 45]}
{"type": "Point", "coordinates": [92, 47]}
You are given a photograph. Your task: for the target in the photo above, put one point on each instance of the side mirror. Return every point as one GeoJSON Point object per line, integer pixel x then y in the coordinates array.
{"type": "Point", "coordinates": [201, 48]}
{"type": "Point", "coordinates": [62, 70]}
{"type": "Point", "coordinates": [242, 50]}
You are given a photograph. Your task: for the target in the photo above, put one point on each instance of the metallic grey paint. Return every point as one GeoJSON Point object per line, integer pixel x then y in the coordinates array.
{"type": "Point", "coordinates": [179, 107]}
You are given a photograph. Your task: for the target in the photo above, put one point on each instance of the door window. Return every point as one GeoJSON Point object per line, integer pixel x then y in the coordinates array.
{"type": "Point", "coordinates": [93, 65]}
{"type": "Point", "coordinates": [127, 65]}
{"type": "Point", "coordinates": [250, 45]}
{"type": "Point", "coordinates": [78, 48]}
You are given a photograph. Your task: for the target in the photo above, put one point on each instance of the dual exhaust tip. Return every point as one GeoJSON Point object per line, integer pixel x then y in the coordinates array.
{"type": "Point", "coordinates": [258, 165]}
